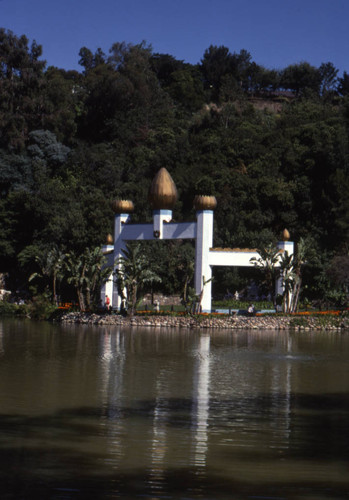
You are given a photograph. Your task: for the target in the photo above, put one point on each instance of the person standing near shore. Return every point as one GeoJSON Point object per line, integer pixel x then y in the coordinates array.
{"type": "Point", "coordinates": [251, 310]}
{"type": "Point", "coordinates": [107, 302]}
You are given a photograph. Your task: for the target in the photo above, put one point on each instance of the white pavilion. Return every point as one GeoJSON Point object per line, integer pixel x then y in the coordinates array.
{"type": "Point", "coordinates": [162, 198]}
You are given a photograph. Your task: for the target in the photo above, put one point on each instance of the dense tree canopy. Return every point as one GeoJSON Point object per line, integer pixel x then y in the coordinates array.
{"type": "Point", "coordinates": [271, 145]}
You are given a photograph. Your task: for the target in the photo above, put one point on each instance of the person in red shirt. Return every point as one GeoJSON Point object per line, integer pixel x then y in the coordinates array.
{"type": "Point", "coordinates": [107, 302]}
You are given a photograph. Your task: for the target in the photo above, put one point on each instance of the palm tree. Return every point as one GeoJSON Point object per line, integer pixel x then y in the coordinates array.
{"type": "Point", "coordinates": [300, 260]}
{"type": "Point", "coordinates": [188, 295]}
{"type": "Point", "coordinates": [86, 272]}
{"type": "Point", "coordinates": [51, 265]}
{"type": "Point", "coordinates": [288, 280]}
{"type": "Point", "coordinates": [266, 263]}
{"type": "Point", "coordinates": [95, 273]}
{"type": "Point", "coordinates": [291, 267]}
{"type": "Point", "coordinates": [76, 269]}
{"type": "Point", "coordinates": [132, 274]}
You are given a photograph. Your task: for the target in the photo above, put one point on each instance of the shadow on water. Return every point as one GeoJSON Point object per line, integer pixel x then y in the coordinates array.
{"type": "Point", "coordinates": [24, 481]}
{"type": "Point", "coordinates": [178, 484]}
{"type": "Point", "coordinates": [34, 464]}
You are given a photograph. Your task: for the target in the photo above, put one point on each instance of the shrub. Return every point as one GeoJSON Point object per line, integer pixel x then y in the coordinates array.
{"type": "Point", "coordinates": [41, 308]}
{"type": "Point", "coordinates": [7, 308]}
{"type": "Point", "coordinates": [299, 322]}
{"type": "Point", "coordinates": [12, 309]}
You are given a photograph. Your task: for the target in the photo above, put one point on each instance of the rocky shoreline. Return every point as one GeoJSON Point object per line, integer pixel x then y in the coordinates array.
{"type": "Point", "coordinates": [202, 322]}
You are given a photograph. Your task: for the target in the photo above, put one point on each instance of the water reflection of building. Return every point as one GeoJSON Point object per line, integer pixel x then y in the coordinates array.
{"type": "Point", "coordinates": [112, 362]}
{"type": "Point", "coordinates": [158, 397]}
{"type": "Point", "coordinates": [201, 399]}
{"type": "Point", "coordinates": [159, 436]}
{"type": "Point", "coordinates": [280, 407]}
{"type": "Point", "coordinates": [159, 411]}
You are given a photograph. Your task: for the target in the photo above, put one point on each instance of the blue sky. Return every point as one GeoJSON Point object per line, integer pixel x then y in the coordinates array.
{"type": "Point", "coordinates": [276, 32]}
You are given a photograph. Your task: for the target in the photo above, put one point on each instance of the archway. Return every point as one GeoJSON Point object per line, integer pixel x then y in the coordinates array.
{"type": "Point", "coordinates": [162, 197]}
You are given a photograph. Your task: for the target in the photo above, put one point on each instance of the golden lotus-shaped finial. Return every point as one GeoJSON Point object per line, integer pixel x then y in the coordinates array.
{"type": "Point", "coordinates": [122, 206]}
{"type": "Point", "coordinates": [204, 202]}
{"type": "Point", "coordinates": [285, 235]}
{"type": "Point", "coordinates": [163, 191]}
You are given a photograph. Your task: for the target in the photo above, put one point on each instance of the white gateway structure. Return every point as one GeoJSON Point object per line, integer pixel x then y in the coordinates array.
{"type": "Point", "coordinates": [162, 197]}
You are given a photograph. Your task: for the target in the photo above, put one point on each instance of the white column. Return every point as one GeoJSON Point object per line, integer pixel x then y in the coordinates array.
{"type": "Point", "coordinates": [285, 246]}
{"type": "Point", "coordinates": [203, 270]}
{"type": "Point", "coordinates": [159, 217]}
{"type": "Point", "coordinates": [119, 245]}
{"type": "Point", "coordinates": [107, 287]}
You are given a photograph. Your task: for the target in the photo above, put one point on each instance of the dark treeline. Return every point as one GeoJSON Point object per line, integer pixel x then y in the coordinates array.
{"type": "Point", "coordinates": [271, 145]}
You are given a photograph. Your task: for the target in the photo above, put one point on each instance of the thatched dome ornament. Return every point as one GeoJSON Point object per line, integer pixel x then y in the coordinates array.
{"type": "Point", "coordinates": [204, 202]}
{"type": "Point", "coordinates": [122, 206]}
{"type": "Point", "coordinates": [163, 192]}
{"type": "Point", "coordinates": [285, 235]}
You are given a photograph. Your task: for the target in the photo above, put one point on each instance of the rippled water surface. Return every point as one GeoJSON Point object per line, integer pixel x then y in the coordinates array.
{"type": "Point", "coordinates": [90, 413]}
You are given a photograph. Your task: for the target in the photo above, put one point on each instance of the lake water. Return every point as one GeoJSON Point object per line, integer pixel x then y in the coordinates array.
{"type": "Point", "coordinates": [105, 412]}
